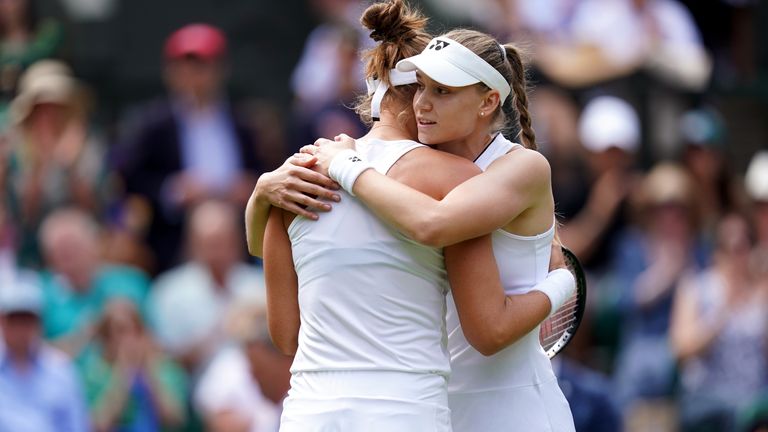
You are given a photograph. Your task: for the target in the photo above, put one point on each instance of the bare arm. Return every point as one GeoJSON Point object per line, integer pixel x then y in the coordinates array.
{"type": "Point", "coordinates": [227, 420]}
{"type": "Point", "coordinates": [293, 187]}
{"type": "Point", "coordinates": [583, 231]}
{"type": "Point", "coordinates": [107, 410]}
{"type": "Point", "coordinates": [282, 285]}
{"type": "Point", "coordinates": [579, 65]}
{"type": "Point", "coordinates": [169, 409]}
{"type": "Point", "coordinates": [669, 263]}
{"type": "Point", "coordinates": [689, 334]}
{"type": "Point", "coordinates": [511, 185]}
{"type": "Point", "coordinates": [489, 319]}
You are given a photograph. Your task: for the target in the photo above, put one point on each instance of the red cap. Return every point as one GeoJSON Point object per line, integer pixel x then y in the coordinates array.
{"type": "Point", "coordinates": [199, 40]}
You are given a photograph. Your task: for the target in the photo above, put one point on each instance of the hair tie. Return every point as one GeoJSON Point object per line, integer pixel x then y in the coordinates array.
{"type": "Point", "coordinates": [503, 52]}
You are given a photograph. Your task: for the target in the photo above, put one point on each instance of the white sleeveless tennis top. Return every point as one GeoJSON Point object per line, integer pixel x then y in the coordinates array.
{"type": "Point", "coordinates": [523, 262]}
{"type": "Point", "coordinates": [369, 298]}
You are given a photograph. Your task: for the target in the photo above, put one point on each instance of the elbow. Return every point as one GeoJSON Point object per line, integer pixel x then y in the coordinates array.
{"type": "Point", "coordinates": [488, 348]}
{"type": "Point", "coordinates": [487, 342]}
{"type": "Point", "coordinates": [255, 246]}
{"type": "Point", "coordinates": [427, 236]}
{"type": "Point", "coordinates": [255, 250]}
{"type": "Point", "coordinates": [430, 231]}
{"type": "Point", "coordinates": [286, 347]}
{"type": "Point", "coordinates": [286, 343]}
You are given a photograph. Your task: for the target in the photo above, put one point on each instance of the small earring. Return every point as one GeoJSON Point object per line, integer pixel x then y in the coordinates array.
{"type": "Point", "coordinates": [482, 114]}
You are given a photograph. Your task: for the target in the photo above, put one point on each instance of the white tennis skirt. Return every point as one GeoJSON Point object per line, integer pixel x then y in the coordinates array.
{"type": "Point", "coordinates": [532, 408]}
{"type": "Point", "coordinates": [369, 401]}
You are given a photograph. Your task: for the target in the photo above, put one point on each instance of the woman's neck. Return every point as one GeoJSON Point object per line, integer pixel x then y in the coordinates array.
{"type": "Point", "coordinates": [469, 147]}
{"type": "Point", "coordinates": [388, 129]}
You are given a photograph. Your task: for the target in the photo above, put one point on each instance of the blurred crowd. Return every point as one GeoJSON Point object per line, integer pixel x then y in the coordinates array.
{"type": "Point", "coordinates": [128, 303]}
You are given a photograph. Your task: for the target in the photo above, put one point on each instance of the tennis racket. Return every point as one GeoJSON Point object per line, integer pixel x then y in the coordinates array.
{"type": "Point", "coordinates": [558, 329]}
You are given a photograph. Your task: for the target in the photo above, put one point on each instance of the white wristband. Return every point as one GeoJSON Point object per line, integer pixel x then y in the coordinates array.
{"type": "Point", "coordinates": [559, 286]}
{"type": "Point", "coordinates": [345, 167]}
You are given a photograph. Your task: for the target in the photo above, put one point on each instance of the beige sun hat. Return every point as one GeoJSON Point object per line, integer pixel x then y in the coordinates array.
{"type": "Point", "coordinates": [47, 81]}
{"type": "Point", "coordinates": [667, 183]}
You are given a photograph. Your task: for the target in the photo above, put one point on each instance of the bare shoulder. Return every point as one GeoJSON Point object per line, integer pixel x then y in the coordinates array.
{"type": "Point", "coordinates": [522, 164]}
{"type": "Point", "coordinates": [433, 172]}
{"type": "Point", "coordinates": [527, 159]}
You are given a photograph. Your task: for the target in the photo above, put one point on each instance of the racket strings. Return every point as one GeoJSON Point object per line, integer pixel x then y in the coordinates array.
{"type": "Point", "coordinates": [557, 330]}
{"type": "Point", "coordinates": [553, 328]}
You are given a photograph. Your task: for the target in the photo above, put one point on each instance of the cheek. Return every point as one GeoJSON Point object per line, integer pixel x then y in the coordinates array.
{"type": "Point", "coordinates": [459, 124]}
{"type": "Point", "coordinates": [457, 118]}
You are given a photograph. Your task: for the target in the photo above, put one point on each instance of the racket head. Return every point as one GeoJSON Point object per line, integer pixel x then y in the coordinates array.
{"type": "Point", "coordinates": [560, 327]}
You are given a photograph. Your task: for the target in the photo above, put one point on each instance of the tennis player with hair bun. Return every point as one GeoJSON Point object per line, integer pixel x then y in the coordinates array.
{"type": "Point", "coordinates": [469, 87]}
{"type": "Point", "coordinates": [363, 306]}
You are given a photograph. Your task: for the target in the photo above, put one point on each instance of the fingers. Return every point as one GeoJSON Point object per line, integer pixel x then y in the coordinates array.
{"type": "Point", "coordinates": [298, 210]}
{"type": "Point", "coordinates": [302, 160]}
{"type": "Point", "coordinates": [309, 149]}
{"type": "Point", "coordinates": [321, 141]}
{"type": "Point", "coordinates": [307, 182]}
{"type": "Point", "coordinates": [315, 178]}
{"type": "Point", "coordinates": [346, 139]}
{"type": "Point", "coordinates": [320, 192]}
{"type": "Point", "coordinates": [300, 204]}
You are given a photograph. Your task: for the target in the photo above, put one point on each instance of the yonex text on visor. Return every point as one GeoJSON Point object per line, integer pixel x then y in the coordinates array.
{"type": "Point", "coordinates": [451, 63]}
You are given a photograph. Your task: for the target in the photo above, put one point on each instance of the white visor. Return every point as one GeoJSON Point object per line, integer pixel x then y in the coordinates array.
{"type": "Point", "coordinates": [378, 88]}
{"type": "Point", "coordinates": [451, 63]}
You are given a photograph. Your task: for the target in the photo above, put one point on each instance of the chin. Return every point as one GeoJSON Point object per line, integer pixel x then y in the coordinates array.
{"type": "Point", "coordinates": [427, 139]}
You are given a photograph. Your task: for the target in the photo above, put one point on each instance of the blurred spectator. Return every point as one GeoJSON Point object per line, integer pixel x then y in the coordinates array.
{"type": "Point", "coordinates": [77, 284]}
{"type": "Point", "coordinates": [243, 387]}
{"type": "Point", "coordinates": [329, 65]}
{"type": "Point", "coordinates": [703, 135]}
{"type": "Point", "coordinates": [555, 120]}
{"type": "Point", "coordinates": [544, 20]}
{"type": "Point", "coordinates": [649, 264]}
{"type": "Point", "coordinates": [55, 158]}
{"type": "Point", "coordinates": [89, 10]}
{"type": "Point", "coordinates": [39, 389]}
{"type": "Point", "coordinates": [188, 303]}
{"type": "Point", "coordinates": [24, 39]}
{"type": "Point", "coordinates": [609, 39]}
{"type": "Point", "coordinates": [130, 385]}
{"type": "Point", "coordinates": [7, 241]}
{"type": "Point", "coordinates": [648, 51]}
{"type": "Point", "coordinates": [590, 396]}
{"type": "Point", "coordinates": [125, 229]}
{"type": "Point", "coordinates": [730, 31]}
{"type": "Point", "coordinates": [757, 188]}
{"type": "Point", "coordinates": [191, 146]}
{"type": "Point", "coordinates": [755, 417]}
{"type": "Point", "coordinates": [719, 334]}
{"type": "Point", "coordinates": [609, 129]}
{"type": "Point", "coordinates": [329, 75]}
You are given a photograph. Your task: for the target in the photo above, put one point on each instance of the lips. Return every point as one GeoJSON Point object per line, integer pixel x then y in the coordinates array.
{"type": "Point", "coordinates": [425, 122]}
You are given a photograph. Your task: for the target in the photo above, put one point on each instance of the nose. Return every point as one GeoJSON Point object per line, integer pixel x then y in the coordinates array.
{"type": "Point", "coordinates": [421, 102]}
